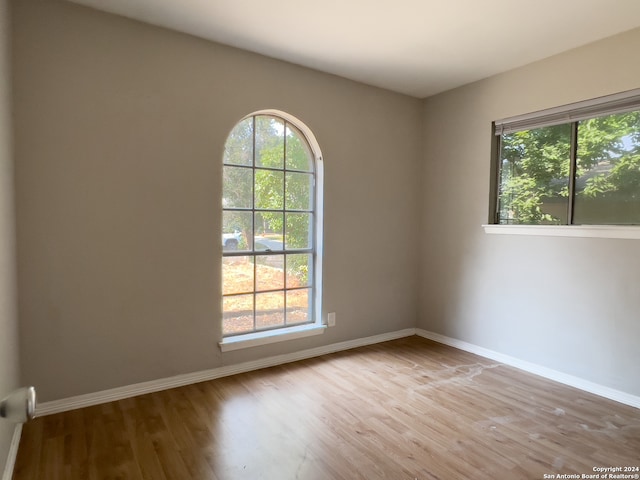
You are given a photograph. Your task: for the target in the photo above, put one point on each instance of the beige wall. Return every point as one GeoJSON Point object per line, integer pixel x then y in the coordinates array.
{"type": "Point", "coordinates": [570, 304]}
{"type": "Point", "coordinates": [9, 370]}
{"type": "Point", "coordinates": [120, 128]}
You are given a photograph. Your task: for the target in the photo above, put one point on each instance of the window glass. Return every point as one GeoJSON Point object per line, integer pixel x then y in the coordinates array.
{"type": "Point", "coordinates": [299, 155]}
{"type": "Point", "coordinates": [269, 272]}
{"type": "Point", "coordinates": [269, 142]}
{"type": "Point", "coordinates": [608, 170]}
{"type": "Point", "coordinates": [298, 189]}
{"type": "Point", "coordinates": [268, 213]}
{"type": "Point", "coordinates": [269, 310]}
{"type": "Point", "coordinates": [269, 188]}
{"type": "Point", "coordinates": [299, 270]}
{"type": "Point", "coordinates": [238, 187]}
{"type": "Point", "coordinates": [298, 306]}
{"type": "Point", "coordinates": [237, 314]}
{"type": "Point", "coordinates": [298, 231]}
{"type": "Point", "coordinates": [269, 231]}
{"type": "Point", "coordinates": [534, 176]}
{"type": "Point", "coordinates": [237, 275]}
{"type": "Point", "coordinates": [577, 164]}
{"type": "Point", "coordinates": [238, 150]}
{"type": "Point", "coordinates": [237, 230]}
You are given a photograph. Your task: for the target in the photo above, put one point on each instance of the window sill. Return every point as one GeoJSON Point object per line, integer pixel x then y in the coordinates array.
{"type": "Point", "coordinates": [270, 336]}
{"type": "Point", "coordinates": [589, 231]}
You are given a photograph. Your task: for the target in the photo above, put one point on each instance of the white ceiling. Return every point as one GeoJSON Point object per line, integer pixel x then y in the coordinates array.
{"type": "Point", "coordinates": [417, 47]}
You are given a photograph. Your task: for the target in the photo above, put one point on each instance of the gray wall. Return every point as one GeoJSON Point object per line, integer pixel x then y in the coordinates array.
{"type": "Point", "coordinates": [570, 304]}
{"type": "Point", "coordinates": [120, 129]}
{"type": "Point", "coordinates": [8, 318]}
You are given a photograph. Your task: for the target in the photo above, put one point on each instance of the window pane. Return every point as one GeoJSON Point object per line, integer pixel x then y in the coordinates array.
{"type": "Point", "coordinates": [237, 275]}
{"type": "Point", "coordinates": [299, 187]}
{"type": "Point", "coordinates": [298, 232]}
{"type": "Point", "coordinates": [238, 150]}
{"type": "Point", "coordinates": [299, 270]}
{"type": "Point", "coordinates": [608, 170]}
{"type": "Point", "coordinates": [269, 272]}
{"type": "Point", "coordinates": [269, 231]}
{"type": "Point", "coordinates": [268, 204]}
{"type": "Point", "coordinates": [269, 142]}
{"type": "Point", "coordinates": [269, 190]}
{"type": "Point", "coordinates": [534, 176]}
{"type": "Point", "coordinates": [269, 310]}
{"type": "Point", "coordinates": [299, 156]}
{"type": "Point", "coordinates": [237, 187]}
{"type": "Point", "coordinates": [299, 306]}
{"type": "Point", "coordinates": [237, 314]}
{"type": "Point", "coordinates": [237, 230]}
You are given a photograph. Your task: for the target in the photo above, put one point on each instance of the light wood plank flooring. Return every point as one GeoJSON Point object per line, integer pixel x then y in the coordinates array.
{"type": "Point", "coordinates": [407, 409]}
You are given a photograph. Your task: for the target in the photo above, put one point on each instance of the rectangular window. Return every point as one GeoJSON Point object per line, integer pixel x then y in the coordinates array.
{"type": "Point", "coordinates": [572, 165]}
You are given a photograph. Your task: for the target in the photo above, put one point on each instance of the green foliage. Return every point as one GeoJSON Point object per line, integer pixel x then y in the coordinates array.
{"type": "Point", "coordinates": [626, 176]}
{"type": "Point", "coordinates": [535, 168]}
{"type": "Point", "coordinates": [299, 156]}
{"type": "Point", "coordinates": [272, 187]}
{"type": "Point", "coordinates": [238, 149]}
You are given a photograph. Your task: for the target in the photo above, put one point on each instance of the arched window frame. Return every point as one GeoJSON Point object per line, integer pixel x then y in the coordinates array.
{"type": "Point", "coordinates": [316, 326]}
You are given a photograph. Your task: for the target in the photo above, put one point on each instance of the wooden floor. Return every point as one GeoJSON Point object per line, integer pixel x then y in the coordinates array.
{"type": "Point", "coordinates": [407, 409]}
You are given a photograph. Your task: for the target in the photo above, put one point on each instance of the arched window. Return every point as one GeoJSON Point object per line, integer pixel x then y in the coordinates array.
{"type": "Point", "coordinates": [271, 229]}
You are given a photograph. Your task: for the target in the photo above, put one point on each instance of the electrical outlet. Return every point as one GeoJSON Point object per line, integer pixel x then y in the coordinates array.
{"type": "Point", "coordinates": [331, 319]}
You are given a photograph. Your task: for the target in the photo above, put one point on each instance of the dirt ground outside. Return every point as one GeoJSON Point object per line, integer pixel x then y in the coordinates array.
{"type": "Point", "coordinates": [238, 278]}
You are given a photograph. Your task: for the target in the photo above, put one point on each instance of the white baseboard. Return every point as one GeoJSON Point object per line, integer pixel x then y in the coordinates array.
{"type": "Point", "coordinates": [545, 372]}
{"type": "Point", "coordinates": [90, 399]}
{"type": "Point", "coordinates": [13, 453]}
{"type": "Point", "coordinates": [87, 400]}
